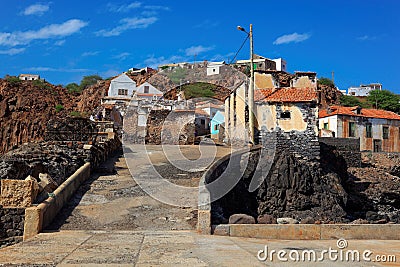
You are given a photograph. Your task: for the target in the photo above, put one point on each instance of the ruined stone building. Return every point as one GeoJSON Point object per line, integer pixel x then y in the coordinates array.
{"type": "Point", "coordinates": [290, 110]}
{"type": "Point", "coordinates": [378, 130]}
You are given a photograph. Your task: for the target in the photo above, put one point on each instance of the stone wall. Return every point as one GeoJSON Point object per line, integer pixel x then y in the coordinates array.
{"type": "Point", "coordinates": [156, 122]}
{"type": "Point", "coordinates": [293, 182]}
{"type": "Point", "coordinates": [303, 144]}
{"type": "Point", "coordinates": [348, 148]}
{"type": "Point", "coordinates": [11, 225]}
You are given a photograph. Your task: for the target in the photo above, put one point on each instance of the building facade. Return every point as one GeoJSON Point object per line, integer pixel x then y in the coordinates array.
{"type": "Point", "coordinates": [378, 130]}
{"type": "Point", "coordinates": [122, 87]}
{"type": "Point", "coordinates": [364, 90]}
{"type": "Point", "coordinates": [148, 91]}
{"type": "Point", "coordinates": [29, 77]}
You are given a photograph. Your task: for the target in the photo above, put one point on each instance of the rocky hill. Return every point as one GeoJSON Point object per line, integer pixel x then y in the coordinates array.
{"type": "Point", "coordinates": [27, 106]}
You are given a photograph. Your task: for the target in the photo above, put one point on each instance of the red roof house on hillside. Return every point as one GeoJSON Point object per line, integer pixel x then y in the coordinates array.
{"type": "Point", "coordinates": [378, 130]}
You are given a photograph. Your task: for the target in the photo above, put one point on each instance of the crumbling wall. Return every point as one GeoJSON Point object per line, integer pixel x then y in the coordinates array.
{"type": "Point", "coordinates": [170, 127]}
{"type": "Point", "coordinates": [11, 225]}
{"type": "Point", "coordinates": [348, 148]}
{"type": "Point", "coordinates": [303, 143]}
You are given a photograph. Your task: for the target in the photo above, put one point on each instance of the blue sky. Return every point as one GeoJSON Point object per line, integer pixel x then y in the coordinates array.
{"type": "Point", "coordinates": [65, 40]}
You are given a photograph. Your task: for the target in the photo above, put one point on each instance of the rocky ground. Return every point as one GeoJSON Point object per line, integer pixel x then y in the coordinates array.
{"type": "Point", "coordinates": [112, 200]}
{"type": "Point", "coordinates": [374, 189]}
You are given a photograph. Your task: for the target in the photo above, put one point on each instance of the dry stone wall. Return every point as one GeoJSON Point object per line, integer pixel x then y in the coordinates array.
{"type": "Point", "coordinates": [11, 225]}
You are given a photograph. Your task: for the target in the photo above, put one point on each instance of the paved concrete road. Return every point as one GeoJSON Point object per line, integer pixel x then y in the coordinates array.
{"type": "Point", "coordinates": [171, 248]}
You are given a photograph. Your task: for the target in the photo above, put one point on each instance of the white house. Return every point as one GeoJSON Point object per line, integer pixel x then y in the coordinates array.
{"type": "Point", "coordinates": [280, 64]}
{"type": "Point", "coordinates": [29, 77]}
{"type": "Point", "coordinates": [122, 86]}
{"type": "Point", "coordinates": [213, 68]}
{"type": "Point", "coordinates": [148, 91]}
{"type": "Point", "coordinates": [364, 90]}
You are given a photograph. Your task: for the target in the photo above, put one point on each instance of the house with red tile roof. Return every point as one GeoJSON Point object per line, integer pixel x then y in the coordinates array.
{"type": "Point", "coordinates": [378, 130]}
{"type": "Point", "coordinates": [292, 109]}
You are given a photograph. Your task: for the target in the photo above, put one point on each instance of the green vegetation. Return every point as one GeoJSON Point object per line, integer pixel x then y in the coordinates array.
{"type": "Point", "coordinates": [326, 81]}
{"type": "Point", "coordinates": [88, 81]}
{"type": "Point", "coordinates": [384, 100]}
{"type": "Point", "coordinates": [41, 84]}
{"type": "Point", "coordinates": [59, 108]}
{"type": "Point", "coordinates": [73, 88]}
{"type": "Point", "coordinates": [377, 99]}
{"type": "Point", "coordinates": [195, 90]}
{"type": "Point", "coordinates": [177, 74]}
{"type": "Point", "coordinates": [12, 80]}
{"type": "Point", "coordinates": [350, 101]}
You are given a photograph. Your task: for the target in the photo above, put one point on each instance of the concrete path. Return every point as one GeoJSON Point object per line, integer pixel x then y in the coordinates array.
{"type": "Point", "coordinates": [173, 248]}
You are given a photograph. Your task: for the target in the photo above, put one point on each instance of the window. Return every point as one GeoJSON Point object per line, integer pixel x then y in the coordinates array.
{"type": "Point", "coordinates": [285, 115]}
{"type": "Point", "coordinates": [368, 128]}
{"type": "Point", "coordinates": [216, 127]}
{"type": "Point", "coordinates": [203, 122]}
{"type": "Point", "coordinates": [326, 126]}
{"type": "Point", "coordinates": [385, 131]}
{"type": "Point", "coordinates": [146, 89]}
{"type": "Point", "coordinates": [122, 91]}
{"type": "Point", "coordinates": [352, 129]}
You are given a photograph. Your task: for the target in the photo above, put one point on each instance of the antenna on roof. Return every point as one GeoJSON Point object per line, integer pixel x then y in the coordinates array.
{"type": "Point", "coordinates": [333, 77]}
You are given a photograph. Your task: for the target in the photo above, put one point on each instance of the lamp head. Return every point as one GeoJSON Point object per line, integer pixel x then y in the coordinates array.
{"type": "Point", "coordinates": [240, 28]}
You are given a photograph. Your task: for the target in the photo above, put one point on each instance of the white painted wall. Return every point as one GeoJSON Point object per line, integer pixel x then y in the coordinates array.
{"type": "Point", "coordinates": [121, 82]}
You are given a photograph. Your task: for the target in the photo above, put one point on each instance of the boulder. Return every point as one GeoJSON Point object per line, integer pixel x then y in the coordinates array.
{"type": "Point", "coordinates": [307, 220]}
{"type": "Point", "coordinates": [287, 221]}
{"type": "Point", "coordinates": [241, 219]}
{"type": "Point", "coordinates": [266, 219]}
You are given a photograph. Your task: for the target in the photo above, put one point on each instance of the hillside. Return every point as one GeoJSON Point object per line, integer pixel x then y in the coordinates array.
{"type": "Point", "coordinates": [27, 106]}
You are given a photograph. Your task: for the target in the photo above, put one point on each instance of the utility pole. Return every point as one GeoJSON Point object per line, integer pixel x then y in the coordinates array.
{"type": "Point", "coordinates": [251, 90]}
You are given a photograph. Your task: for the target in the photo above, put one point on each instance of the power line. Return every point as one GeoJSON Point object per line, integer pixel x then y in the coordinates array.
{"type": "Point", "coordinates": [233, 59]}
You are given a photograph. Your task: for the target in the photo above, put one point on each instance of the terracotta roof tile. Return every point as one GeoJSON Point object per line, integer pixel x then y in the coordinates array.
{"type": "Point", "coordinates": [286, 94]}
{"type": "Point", "coordinates": [351, 111]}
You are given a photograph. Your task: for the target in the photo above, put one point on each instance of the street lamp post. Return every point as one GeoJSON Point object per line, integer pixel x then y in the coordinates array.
{"type": "Point", "coordinates": [251, 89]}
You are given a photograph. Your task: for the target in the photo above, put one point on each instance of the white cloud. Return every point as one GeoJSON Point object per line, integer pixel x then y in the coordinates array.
{"type": "Point", "coordinates": [195, 50]}
{"type": "Point", "coordinates": [51, 31]}
{"type": "Point", "coordinates": [225, 58]}
{"type": "Point", "coordinates": [164, 8]}
{"type": "Point", "coordinates": [292, 38]}
{"type": "Point", "coordinates": [124, 8]}
{"type": "Point", "coordinates": [207, 24]}
{"type": "Point", "coordinates": [122, 56]}
{"type": "Point", "coordinates": [36, 9]}
{"type": "Point", "coordinates": [12, 51]}
{"type": "Point", "coordinates": [90, 53]}
{"type": "Point", "coordinates": [127, 24]}
{"type": "Point", "coordinates": [50, 69]}
{"type": "Point", "coordinates": [110, 73]}
{"type": "Point", "coordinates": [60, 43]}
{"type": "Point", "coordinates": [366, 38]}
{"type": "Point", "coordinates": [154, 62]}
